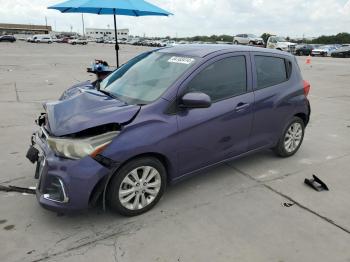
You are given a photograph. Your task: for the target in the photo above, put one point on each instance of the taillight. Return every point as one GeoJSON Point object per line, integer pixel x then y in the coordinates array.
{"type": "Point", "coordinates": [307, 87]}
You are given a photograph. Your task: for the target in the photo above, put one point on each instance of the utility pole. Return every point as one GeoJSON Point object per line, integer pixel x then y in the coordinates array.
{"type": "Point", "coordinates": [82, 19]}
{"type": "Point", "coordinates": [46, 23]}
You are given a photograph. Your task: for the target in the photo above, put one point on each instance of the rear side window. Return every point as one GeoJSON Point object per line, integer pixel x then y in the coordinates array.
{"type": "Point", "coordinates": [222, 79]}
{"type": "Point", "coordinates": [272, 70]}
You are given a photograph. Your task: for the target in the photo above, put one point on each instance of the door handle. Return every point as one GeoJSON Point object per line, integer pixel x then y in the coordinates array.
{"type": "Point", "coordinates": [241, 106]}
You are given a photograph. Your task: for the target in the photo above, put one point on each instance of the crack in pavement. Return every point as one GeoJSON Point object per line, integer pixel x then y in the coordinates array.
{"type": "Point", "coordinates": [283, 176]}
{"type": "Point", "coordinates": [122, 232]}
{"type": "Point", "coordinates": [328, 220]}
{"type": "Point", "coordinates": [16, 91]}
{"type": "Point", "coordinates": [12, 180]}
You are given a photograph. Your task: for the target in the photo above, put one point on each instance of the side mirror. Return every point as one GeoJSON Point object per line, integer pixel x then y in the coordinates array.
{"type": "Point", "coordinates": [195, 100]}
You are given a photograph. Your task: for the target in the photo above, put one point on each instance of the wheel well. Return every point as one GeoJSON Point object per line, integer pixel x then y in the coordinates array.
{"type": "Point", "coordinates": [304, 117]}
{"type": "Point", "coordinates": [99, 188]}
{"type": "Point", "coordinates": [160, 157]}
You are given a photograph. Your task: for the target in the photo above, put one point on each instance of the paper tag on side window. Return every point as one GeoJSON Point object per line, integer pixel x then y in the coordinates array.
{"type": "Point", "coordinates": [181, 60]}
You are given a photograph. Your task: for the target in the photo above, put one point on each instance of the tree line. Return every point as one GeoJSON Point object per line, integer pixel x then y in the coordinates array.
{"type": "Point", "coordinates": [340, 38]}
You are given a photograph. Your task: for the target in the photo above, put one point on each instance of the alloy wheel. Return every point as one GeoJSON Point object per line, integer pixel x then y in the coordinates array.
{"type": "Point", "coordinates": [293, 137]}
{"type": "Point", "coordinates": [140, 187]}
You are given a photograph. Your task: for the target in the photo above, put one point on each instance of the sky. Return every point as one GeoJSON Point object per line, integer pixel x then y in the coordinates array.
{"type": "Point", "coordinates": [294, 18]}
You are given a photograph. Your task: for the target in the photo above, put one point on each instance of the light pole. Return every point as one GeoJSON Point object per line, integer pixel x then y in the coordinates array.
{"type": "Point", "coordinates": [82, 19]}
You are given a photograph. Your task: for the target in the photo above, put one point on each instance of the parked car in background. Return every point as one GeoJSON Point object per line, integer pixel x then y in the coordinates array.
{"type": "Point", "coordinates": [63, 40]}
{"type": "Point", "coordinates": [343, 51]}
{"type": "Point", "coordinates": [7, 38]}
{"type": "Point", "coordinates": [304, 49]}
{"type": "Point", "coordinates": [100, 40]}
{"type": "Point", "coordinates": [163, 116]}
{"type": "Point", "coordinates": [280, 43]}
{"type": "Point", "coordinates": [41, 39]}
{"type": "Point", "coordinates": [325, 50]}
{"type": "Point", "coordinates": [78, 41]}
{"type": "Point", "coordinates": [247, 39]}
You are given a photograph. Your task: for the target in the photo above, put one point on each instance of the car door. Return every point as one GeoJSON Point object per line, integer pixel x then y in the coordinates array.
{"type": "Point", "coordinates": [274, 95]}
{"type": "Point", "coordinates": [210, 135]}
{"type": "Point", "coordinates": [245, 39]}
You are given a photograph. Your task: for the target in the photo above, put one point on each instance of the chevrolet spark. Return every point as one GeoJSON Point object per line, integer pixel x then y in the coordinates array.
{"type": "Point", "coordinates": [163, 116]}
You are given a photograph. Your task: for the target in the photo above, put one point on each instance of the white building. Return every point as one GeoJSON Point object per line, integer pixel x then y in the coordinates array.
{"type": "Point", "coordinates": [96, 33]}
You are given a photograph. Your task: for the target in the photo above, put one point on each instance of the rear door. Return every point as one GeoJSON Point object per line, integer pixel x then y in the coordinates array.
{"type": "Point", "coordinates": [210, 135]}
{"type": "Point", "coordinates": [274, 94]}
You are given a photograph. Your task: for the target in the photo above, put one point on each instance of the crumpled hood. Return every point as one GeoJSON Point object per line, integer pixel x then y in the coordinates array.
{"type": "Point", "coordinates": [86, 108]}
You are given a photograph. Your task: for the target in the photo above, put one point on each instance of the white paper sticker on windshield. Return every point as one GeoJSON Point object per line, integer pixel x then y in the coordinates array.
{"type": "Point", "coordinates": [181, 60]}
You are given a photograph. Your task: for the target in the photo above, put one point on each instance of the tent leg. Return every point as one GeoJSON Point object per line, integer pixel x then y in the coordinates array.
{"type": "Point", "coordinates": [116, 40]}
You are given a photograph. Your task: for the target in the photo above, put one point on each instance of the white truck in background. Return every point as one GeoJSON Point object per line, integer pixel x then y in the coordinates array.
{"type": "Point", "coordinates": [280, 43]}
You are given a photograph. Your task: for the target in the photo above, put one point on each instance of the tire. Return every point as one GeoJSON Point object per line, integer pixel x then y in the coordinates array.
{"type": "Point", "coordinates": [251, 43]}
{"type": "Point", "coordinates": [235, 42]}
{"type": "Point", "coordinates": [282, 149]}
{"type": "Point", "coordinates": [124, 181]}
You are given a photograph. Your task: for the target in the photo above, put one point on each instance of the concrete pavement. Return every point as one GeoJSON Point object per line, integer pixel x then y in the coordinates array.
{"type": "Point", "coordinates": [235, 212]}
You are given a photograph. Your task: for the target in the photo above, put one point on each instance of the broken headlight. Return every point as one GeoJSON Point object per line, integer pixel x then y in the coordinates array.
{"type": "Point", "coordinates": [76, 148]}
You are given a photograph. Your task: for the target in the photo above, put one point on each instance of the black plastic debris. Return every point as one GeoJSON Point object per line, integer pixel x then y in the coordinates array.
{"type": "Point", "coordinates": [17, 189]}
{"type": "Point", "coordinates": [316, 184]}
{"type": "Point", "coordinates": [32, 154]}
{"type": "Point", "coordinates": [288, 204]}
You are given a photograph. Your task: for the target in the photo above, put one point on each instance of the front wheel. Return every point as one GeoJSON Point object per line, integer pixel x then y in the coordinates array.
{"type": "Point", "coordinates": [291, 139]}
{"type": "Point", "coordinates": [137, 186]}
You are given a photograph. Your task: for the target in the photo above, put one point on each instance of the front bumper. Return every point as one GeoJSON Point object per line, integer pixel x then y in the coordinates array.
{"type": "Point", "coordinates": [64, 185]}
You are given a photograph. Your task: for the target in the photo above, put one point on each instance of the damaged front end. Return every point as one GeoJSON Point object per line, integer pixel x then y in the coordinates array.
{"type": "Point", "coordinates": [67, 147]}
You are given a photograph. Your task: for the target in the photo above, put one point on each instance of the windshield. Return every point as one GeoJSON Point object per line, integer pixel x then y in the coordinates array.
{"type": "Point", "coordinates": [146, 77]}
{"type": "Point", "coordinates": [280, 39]}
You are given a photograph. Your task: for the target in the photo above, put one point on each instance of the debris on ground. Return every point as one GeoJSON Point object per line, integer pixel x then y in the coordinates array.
{"type": "Point", "coordinates": [287, 204]}
{"type": "Point", "coordinates": [18, 189]}
{"type": "Point", "coordinates": [316, 184]}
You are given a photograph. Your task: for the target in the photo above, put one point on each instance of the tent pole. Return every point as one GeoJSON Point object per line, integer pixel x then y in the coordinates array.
{"type": "Point", "coordinates": [116, 39]}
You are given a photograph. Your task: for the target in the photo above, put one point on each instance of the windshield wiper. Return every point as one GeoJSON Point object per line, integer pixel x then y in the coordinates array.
{"type": "Point", "coordinates": [112, 95]}
{"type": "Point", "coordinates": [108, 93]}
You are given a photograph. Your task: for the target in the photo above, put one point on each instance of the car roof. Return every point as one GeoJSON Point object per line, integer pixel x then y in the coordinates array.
{"type": "Point", "coordinates": [205, 50]}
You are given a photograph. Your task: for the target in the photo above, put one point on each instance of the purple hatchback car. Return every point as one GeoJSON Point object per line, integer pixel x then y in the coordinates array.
{"type": "Point", "coordinates": [164, 115]}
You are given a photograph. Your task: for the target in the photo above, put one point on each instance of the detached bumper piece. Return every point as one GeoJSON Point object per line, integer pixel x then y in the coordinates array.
{"type": "Point", "coordinates": [316, 184]}
{"type": "Point", "coordinates": [32, 154]}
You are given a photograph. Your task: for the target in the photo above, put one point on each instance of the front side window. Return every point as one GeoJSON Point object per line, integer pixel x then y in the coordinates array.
{"type": "Point", "coordinates": [270, 71]}
{"type": "Point", "coordinates": [145, 78]}
{"type": "Point", "coordinates": [222, 79]}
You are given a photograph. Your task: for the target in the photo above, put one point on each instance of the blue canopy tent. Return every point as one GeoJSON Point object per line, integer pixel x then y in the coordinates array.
{"type": "Point", "coordinates": [111, 7]}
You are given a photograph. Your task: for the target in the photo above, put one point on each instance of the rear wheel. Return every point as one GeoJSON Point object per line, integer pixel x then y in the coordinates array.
{"type": "Point", "coordinates": [137, 186]}
{"type": "Point", "coordinates": [291, 139]}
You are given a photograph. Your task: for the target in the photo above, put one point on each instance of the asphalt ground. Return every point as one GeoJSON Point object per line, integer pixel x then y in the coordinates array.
{"type": "Point", "coordinates": [252, 209]}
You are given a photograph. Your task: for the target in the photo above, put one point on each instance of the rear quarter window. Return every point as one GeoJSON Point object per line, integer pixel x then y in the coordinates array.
{"type": "Point", "coordinates": [272, 70]}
